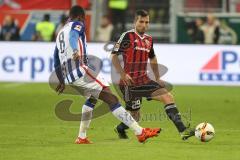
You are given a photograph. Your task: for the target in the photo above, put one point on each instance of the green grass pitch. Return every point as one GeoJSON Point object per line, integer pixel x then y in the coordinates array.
{"type": "Point", "coordinates": [29, 128]}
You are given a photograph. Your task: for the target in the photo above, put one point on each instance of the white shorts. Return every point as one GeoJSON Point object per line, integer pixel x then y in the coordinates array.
{"type": "Point", "coordinates": [90, 84]}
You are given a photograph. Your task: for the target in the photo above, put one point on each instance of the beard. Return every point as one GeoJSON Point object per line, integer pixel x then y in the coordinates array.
{"type": "Point", "coordinates": [141, 32]}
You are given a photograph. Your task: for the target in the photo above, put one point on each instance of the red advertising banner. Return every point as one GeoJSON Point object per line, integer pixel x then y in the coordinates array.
{"type": "Point", "coordinates": [35, 4]}
{"type": "Point", "coordinates": [21, 10]}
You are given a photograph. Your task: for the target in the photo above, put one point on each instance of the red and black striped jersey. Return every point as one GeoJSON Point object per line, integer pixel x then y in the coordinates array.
{"type": "Point", "coordinates": [136, 50]}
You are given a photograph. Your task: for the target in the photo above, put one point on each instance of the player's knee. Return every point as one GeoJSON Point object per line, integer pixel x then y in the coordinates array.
{"type": "Point", "coordinates": [108, 97]}
{"type": "Point", "coordinates": [167, 98]}
{"type": "Point", "coordinates": [136, 115]}
{"type": "Point", "coordinates": [113, 99]}
{"type": "Point", "coordinates": [92, 100]}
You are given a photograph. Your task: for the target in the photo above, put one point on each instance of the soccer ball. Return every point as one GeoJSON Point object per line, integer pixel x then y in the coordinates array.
{"type": "Point", "coordinates": [204, 132]}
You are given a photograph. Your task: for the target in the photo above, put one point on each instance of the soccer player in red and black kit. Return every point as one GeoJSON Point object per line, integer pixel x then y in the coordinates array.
{"type": "Point", "coordinates": [136, 49]}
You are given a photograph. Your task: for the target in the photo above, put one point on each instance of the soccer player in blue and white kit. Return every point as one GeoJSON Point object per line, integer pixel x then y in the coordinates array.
{"type": "Point", "coordinates": [70, 62]}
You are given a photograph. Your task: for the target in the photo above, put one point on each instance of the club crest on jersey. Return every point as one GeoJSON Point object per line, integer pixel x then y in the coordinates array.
{"type": "Point", "coordinates": [78, 27]}
{"type": "Point", "coordinates": [222, 67]}
{"type": "Point", "coordinates": [116, 47]}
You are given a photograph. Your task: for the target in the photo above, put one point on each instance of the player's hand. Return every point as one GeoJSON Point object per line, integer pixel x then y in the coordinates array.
{"type": "Point", "coordinates": [161, 83]}
{"type": "Point", "coordinates": [60, 88]}
{"type": "Point", "coordinates": [127, 80]}
{"type": "Point", "coordinates": [75, 56]}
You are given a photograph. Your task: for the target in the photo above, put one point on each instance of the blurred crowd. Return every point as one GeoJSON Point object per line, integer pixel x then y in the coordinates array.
{"type": "Point", "coordinates": [111, 24]}
{"type": "Point", "coordinates": [9, 31]}
{"type": "Point", "coordinates": [204, 30]}
{"type": "Point", "coordinates": [211, 30]}
{"type": "Point", "coordinates": [45, 30]}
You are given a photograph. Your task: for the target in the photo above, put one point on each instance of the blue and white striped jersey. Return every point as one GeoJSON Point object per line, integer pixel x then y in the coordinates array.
{"type": "Point", "coordinates": [71, 37]}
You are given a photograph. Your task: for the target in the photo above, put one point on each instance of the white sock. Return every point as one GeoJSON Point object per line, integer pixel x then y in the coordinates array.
{"type": "Point", "coordinates": [121, 114]}
{"type": "Point", "coordinates": [85, 121]}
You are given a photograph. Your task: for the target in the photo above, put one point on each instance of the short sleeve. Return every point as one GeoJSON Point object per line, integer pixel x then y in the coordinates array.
{"type": "Point", "coordinates": [151, 53]}
{"type": "Point", "coordinates": [122, 44]}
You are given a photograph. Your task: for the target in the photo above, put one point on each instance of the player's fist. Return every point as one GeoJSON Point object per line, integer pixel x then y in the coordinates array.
{"type": "Point", "coordinates": [127, 80]}
{"type": "Point", "coordinates": [75, 55]}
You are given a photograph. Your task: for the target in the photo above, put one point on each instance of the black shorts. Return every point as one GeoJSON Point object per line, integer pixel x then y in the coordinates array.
{"type": "Point", "coordinates": [133, 95]}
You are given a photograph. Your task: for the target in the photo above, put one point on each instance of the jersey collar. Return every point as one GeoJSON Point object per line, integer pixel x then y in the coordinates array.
{"type": "Point", "coordinates": [142, 37]}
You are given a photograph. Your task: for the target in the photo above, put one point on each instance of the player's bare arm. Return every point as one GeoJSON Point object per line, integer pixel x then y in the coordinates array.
{"type": "Point", "coordinates": [127, 80]}
{"type": "Point", "coordinates": [76, 55]}
{"type": "Point", "coordinates": [154, 67]}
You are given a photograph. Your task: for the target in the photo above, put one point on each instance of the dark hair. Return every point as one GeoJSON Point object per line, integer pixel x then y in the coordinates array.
{"type": "Point", "coordinates": [63, 18]}
{"type": "Point", "coordinates": [142, 13]}
{"type": "Point", "coordinates": [76, 11]}
{"type": "Point", "coordinates": [46, 17]}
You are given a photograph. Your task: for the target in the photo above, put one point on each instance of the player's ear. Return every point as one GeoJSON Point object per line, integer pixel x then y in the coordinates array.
{"type": "Point", "coordinates": [135, 19]}
{"type": "Point", "coordinates": [83, 17]}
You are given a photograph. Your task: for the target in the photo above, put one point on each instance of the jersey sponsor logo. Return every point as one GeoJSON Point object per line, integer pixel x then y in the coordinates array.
{"type": "Point", "coordinates": [78, 27]}
{"type": "Point", "coordinates": [222, 67]}
{"type": "Point", "coordinates": [142, 49]}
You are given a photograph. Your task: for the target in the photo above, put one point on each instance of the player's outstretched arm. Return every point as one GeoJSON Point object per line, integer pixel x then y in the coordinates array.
{"type": "Point", "coordinates": [58, 70]}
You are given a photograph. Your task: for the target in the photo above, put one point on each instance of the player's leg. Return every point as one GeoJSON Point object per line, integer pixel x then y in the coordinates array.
{"type": "Point", "coordinates": [97, 88]}
{"type": "Point", "coordinates": [118, 111]}
{"type": "Point", "coordinates": [87, 110]}
{"type": "Point", "coordinates": [172, 111]}
{"type": "Point", "coordinates": [133, 107]}
{"type": "Point", "coordinates": [121, 114]}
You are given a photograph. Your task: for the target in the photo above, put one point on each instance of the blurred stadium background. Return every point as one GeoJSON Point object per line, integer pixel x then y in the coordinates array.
{"type": "Point", "coordinates": [175, 26]}
{"type": "Point", "coordinates": [172, 21]}
{"type": "Point", "coordinates": [197, 40]}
